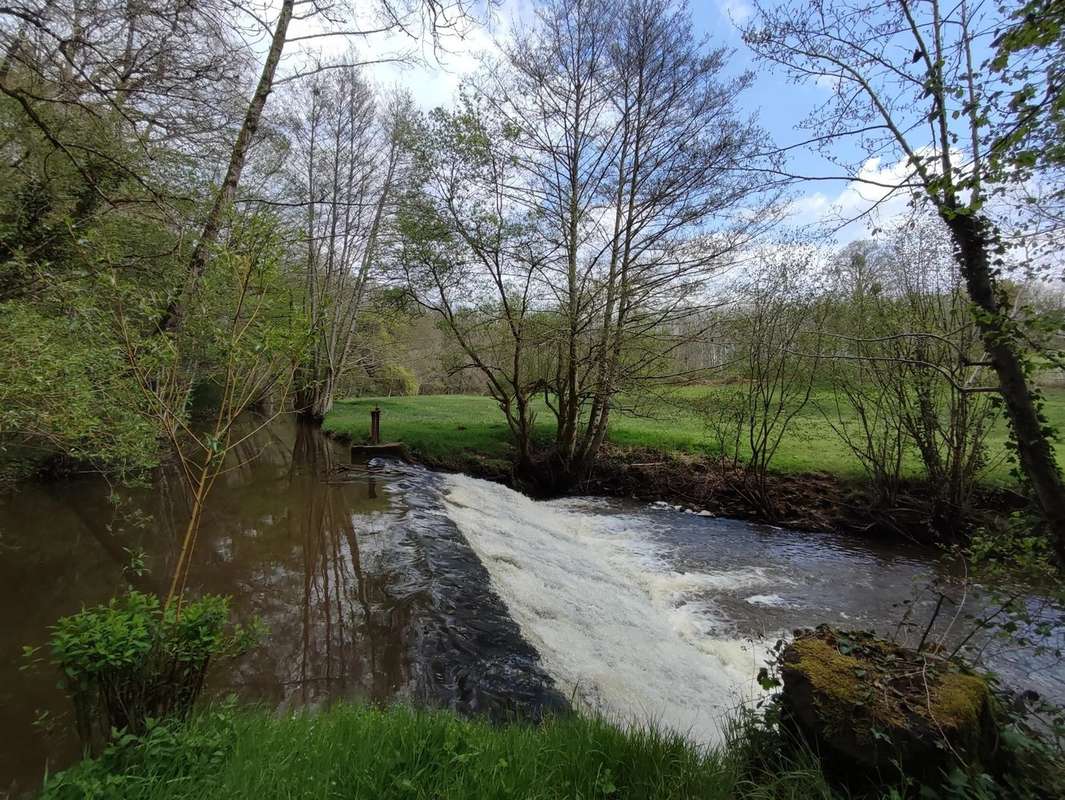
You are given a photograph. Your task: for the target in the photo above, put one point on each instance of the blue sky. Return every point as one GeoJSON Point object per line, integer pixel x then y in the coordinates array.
{"type": "Point", "coordinates": [779, 104]}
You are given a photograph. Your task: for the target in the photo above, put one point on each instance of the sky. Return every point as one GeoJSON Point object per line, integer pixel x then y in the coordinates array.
{"type": "Point", "coordinates": [778, 104]}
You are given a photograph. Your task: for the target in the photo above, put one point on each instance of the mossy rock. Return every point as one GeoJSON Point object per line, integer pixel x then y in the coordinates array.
{"type": "Point", "coordinates": [873, 708]}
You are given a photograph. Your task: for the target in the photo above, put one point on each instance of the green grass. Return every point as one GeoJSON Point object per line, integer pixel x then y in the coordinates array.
{"type": "Point", "coordinates": [436, 426]}
{"type": "Point", "coordinates": [354, 752]}
{"type": "Point", "coordinates": [448, 427]}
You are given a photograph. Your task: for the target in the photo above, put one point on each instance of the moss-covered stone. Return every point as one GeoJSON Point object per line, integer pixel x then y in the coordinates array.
{"type": "Point", "coordinates": [869, 704]}
{"type": "Point", "coordinates": [959, 699]}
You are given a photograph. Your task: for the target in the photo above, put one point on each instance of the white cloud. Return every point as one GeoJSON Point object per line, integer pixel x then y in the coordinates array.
{"type": "Point", "coordinates": [738, 11]}
{"type": "Point", "coordinates": [431, 71]}
{"type": "Point", "coordinates": [879, 195]}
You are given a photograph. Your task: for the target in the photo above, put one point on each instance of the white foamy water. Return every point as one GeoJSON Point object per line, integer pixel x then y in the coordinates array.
{"type": "Point", "coordinates": [616, 628]}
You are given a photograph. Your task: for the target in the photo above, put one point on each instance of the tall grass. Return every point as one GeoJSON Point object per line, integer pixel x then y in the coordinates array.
{"type": "Point", "coordinates": [356, 752]}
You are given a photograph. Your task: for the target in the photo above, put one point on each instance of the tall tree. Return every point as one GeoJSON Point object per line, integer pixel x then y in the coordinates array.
{"type": "Point", "coordinates": [608, 146]}
{"type": "Point", "coordinates": [344, 166]}
{"type": "Point", "coordinates": [212, 224]}
{"type": "Point", "coordinates": [471, 256]}
{"type": "Point", "coordinates": [904, 80]}
{"type": "Point", "coordinates": [433, 16]}
{"type": "Point", "coordinates": [678, 200]}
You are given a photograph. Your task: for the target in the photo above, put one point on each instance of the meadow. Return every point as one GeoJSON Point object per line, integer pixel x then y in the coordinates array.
{"type": "Point", "coordinates": [447, 428]}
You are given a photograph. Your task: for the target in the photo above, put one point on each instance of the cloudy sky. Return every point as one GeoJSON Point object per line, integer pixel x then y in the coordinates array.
{"type": "Point", "coordinates": [778, 104]}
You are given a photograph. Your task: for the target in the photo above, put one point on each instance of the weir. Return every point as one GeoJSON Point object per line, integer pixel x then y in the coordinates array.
{"type": "Point", "coordinates": [621, 631]}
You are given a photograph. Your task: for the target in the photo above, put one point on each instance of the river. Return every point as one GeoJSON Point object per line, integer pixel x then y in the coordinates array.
{"type": "Point", "coordinates": [398, 584]}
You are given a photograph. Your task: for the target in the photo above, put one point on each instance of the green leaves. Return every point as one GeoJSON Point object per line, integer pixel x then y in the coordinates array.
{"type": "Point", "coordinates": [130, 662]}
{"type": "Point", "coordinates": [106, 638]}
{"type": "Point", "coordinates": [63, 388]}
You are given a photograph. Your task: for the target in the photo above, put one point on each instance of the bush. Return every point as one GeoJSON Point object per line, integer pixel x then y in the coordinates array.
{"type": "Point", "coordinates": [389, 380]}
{"type": "Point", "coordinates": [131, 661]}
{"type": "Point", "coordinates": [131, 764]}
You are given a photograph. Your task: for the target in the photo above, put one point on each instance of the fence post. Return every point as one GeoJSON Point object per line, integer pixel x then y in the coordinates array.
{"type": "Point", "coordinates": [375, 426]}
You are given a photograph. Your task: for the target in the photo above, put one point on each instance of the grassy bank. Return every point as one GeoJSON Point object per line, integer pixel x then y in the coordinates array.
{"type": "Point", "coordinates": [353, 752]}
{"type": "Point", "coordinates": [448, 428]}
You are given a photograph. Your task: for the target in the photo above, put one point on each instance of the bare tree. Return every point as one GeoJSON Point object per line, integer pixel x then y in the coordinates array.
{"type": "Point", "coordinates": [864, 412]}
{"type": "Point", "coordinates": [470, 256]}
{"type": "Point", "coordinates": [944, 408]}
{"type": "Point", "coordinates": [909, 367]}
{"type": "Point", "coordinates": [905, 81]}
{"type": "Point", "coordinates": [406, 15]}
{"type": "Point", "coordinates": [678, 202]}
{"type": "Point", "coordinates": [343, 165]}
{"type": "Point", "coordinates": [775, 333]}
{"type": "Point", "coordinates": [612, 140]}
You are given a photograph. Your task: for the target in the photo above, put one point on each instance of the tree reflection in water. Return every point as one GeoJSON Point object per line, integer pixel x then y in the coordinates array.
{"type": "Point", "coordinates": [312, 556]}
{"type": "Point", "coordinates": [369, 590]}
{"type": "Point", "coordinates": [300, 539]}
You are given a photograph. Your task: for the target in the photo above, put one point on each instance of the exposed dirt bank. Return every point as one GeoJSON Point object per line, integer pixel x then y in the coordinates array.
{"type": "Point", "coordinates": [810, 501]}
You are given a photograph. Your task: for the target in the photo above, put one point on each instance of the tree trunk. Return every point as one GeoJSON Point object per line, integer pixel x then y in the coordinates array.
{"type": "Point", "coordinates": [1033, 444]}
{"type": "Point", "coordinates": [212, 226]}
{"type": "Point", "coordinates": [323, 402]}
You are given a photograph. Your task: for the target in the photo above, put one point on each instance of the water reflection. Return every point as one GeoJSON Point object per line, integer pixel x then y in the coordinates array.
{"type": "Point", "coordinates": [368, 589]}
{"type": "Point", "coordinates": [303, 553]}
{"type": "Point", "coordinates": [315, 553]}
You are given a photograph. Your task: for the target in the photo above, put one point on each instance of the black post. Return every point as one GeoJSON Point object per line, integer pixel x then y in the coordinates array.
{"type": "Point", "coordinates": [375, 426]}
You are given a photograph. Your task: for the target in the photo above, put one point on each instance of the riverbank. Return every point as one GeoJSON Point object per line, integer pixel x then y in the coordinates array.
{"type": "Point", "coordinates": [350, 752]}
{"type": "Point", "coordinates": [813, 486]}
{"type": "Point", "coordinates": [800, 501]}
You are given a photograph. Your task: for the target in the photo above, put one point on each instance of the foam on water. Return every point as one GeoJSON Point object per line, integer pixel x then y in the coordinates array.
{"type": "Point", "coordinates": [616, 628]}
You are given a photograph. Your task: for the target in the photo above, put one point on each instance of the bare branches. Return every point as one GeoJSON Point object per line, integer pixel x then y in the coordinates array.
{"type": "Point", "coordinates": [580, 199]}
{"type": "Point", "coordinates": [345, 165]}
{"type": "Point", "coordinates": [910, 67]}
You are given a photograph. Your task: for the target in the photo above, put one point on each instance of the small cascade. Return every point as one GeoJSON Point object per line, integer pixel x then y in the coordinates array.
{"type": "Point", "coordinates": [617, 628]}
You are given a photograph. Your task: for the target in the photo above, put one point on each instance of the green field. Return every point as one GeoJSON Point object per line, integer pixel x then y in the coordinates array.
{"type": "Point", "coordinates": [448, 427]}
{"type": "Point", "coordinates": [352, 752]}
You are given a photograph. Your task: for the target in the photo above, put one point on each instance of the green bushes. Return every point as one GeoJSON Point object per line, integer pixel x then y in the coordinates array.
{"type": "Point", "coordinates": [390, 380]}
{"type": "Point", "coordinates": [131, 661]}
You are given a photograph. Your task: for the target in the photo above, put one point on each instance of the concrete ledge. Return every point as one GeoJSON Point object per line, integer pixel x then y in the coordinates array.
{"type": "Point", "coordinates": [385, 449]}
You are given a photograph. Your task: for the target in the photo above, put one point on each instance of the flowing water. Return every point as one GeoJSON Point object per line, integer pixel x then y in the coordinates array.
{"type": "Point", "coordinates": [396, 583]}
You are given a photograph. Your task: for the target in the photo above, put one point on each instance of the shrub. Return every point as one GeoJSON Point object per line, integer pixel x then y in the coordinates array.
{"type": "Point", "coordinates": [132, 661]}
{"type": "Point", "coordinates": [390, 380]}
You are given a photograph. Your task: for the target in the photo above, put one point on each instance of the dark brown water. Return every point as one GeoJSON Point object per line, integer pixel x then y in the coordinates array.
{"type": "Point", "coordinates": [368, 591]}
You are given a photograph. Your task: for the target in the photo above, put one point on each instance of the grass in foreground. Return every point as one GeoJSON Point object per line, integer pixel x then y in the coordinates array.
{"type": "Point", "coordinates": [354, 752]}
{"type": "Point", "coordinates": [446, 427]}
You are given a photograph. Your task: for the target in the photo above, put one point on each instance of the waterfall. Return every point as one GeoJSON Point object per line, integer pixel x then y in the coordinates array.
{"type": "Point", "coordinates": [618, 629]}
